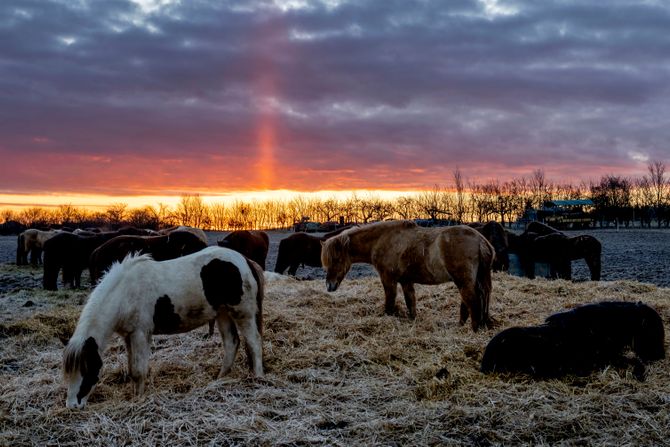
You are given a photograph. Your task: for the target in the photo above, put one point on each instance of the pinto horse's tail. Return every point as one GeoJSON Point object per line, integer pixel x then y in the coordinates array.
{"type": "Point", "coordinates": [483, 283]}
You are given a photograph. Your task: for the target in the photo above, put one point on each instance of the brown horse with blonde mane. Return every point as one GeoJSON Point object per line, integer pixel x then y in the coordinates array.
{"type": "Point", "coordinates": [402, 252]}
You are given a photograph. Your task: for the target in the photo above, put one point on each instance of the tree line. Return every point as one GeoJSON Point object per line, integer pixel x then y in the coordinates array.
{"type": "Point", "coordinates": [618, 200]}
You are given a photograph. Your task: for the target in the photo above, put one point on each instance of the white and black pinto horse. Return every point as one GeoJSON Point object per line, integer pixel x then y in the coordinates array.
{"type": "Point", "coordinates": [140, 297]}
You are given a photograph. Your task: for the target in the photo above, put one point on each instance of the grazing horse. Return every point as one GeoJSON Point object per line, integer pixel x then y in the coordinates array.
{"type": "Point", "coordinates": [579, 341]}
{"type": "Point", "coordinates": [140, 297]}
{"type": "Point", "coordinates": [540, 228]}
{"type": "Point", "coordinates": [252, 244]}
{"type": "Point", "coordinates": [32, 241]}
{"type": "Point", "coordinates": [542, 243]}
{"type": "Point", "coordinates": [302, 248]}
{"type": "Point", "coordinates": [161, 248]}
{"type": "Point", "coordinates": [197, 231]}
{"type": "Point", "coordinates": [402, 252]}
{"type": "Point", "coordinates": [497, 236]}
{"type": "Point", "coordinates": [72, 253]}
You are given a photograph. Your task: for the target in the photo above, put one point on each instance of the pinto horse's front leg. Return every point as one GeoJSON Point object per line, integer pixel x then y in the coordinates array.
{"type": "Point", "coordinates": [410, 298]}
{"type": "Point", "coordinates": [138, 347]}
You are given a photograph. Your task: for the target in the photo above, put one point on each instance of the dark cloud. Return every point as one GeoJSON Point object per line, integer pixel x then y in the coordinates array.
{"type": "Point", "coordinates": [364, 87]}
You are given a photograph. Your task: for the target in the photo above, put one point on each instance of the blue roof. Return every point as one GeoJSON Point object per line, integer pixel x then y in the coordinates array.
{"type": "Point", "coordinates": [576, 202]}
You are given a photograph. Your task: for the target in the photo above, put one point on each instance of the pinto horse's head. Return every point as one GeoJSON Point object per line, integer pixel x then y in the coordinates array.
{"type": "Point", "coordinates": [336, 260]}
{"type": "Point", "coordinates": [81, 368]}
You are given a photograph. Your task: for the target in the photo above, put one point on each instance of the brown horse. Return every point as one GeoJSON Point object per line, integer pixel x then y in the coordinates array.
{"type": "Point", "coordinates": [302, 248]}
{"type": "Point", "coordinates": [32, 241]}
{"type": "Point", "coordinates": [252, 244]}
{"type": "Point", "coordinates": [161, 248]}
{"type": "Point", "coordinates": [497, 236]}
{"type": "Point", "coordinates": [402, 252]}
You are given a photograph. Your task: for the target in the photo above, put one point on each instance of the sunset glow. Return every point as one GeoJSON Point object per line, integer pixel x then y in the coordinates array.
{"type": "Point", "coordinates": [100, 202]}
{"type": "Point", "coordinates": [142, 102]}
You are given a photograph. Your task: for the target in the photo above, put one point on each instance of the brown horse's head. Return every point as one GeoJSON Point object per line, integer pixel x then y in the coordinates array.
{"type": "Point", "coordinates": [336, 260]}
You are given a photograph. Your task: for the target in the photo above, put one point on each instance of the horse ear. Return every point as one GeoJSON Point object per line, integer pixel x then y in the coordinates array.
{"type": "Point", "coordinates": [322, 243]}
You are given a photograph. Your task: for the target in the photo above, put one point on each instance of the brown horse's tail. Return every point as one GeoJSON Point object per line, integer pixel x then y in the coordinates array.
{"type": "Point", "coordinates": [20, 249]}
{"type": "Point", "coordinates": [483, 285]}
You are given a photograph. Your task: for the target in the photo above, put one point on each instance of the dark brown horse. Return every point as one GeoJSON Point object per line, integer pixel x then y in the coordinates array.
{"type": "Point", "coordinates": [301, 248]}
{"type": "Point", "coordinates": [71, 253]}
{"type": "Point", "coordinates": [402, 252]}
{"type": "Point", "coordinates": [579, 341]}
{"type": "Point", "coordinates": [161, 248]}
{"type": "Point", "coordinates": [497, 236]}
{"type": "Point", "coordinates": [252, 244]}
{"type": "Point", "coordinates": [542, 243]}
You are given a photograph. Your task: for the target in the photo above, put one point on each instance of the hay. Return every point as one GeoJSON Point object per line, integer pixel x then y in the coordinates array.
{"type": "Point", "coordinates": [339, 372]}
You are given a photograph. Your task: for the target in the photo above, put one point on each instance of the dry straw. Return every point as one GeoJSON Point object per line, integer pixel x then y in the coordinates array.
{"type": "Point", "coordinates": [339, 372]}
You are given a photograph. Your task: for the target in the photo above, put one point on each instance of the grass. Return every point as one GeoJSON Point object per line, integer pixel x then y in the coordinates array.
{"type": "Point", "coordinates": [338, 372]}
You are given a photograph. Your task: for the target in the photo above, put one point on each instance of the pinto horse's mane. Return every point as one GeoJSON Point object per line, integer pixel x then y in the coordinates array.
{"type": "Point", "coordinates": [112, 277]}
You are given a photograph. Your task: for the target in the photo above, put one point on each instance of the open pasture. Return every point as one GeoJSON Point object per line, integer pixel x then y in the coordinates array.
{"type": "Point", "coordinates": [338, 372]}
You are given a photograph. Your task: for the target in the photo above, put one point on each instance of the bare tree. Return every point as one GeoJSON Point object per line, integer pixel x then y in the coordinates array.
{"type": "Point", "coordinates": [459, 208]}
{"type": "Point", "coordinates": [240, 216]}
{"type": "Point", "coordinates": [611, 197]}
{"type": "Point", "coordinates": [218, 217]}
{"type": "Point", "coordinates": [116, 213]}
{"type": "Point", "coordinates": [35, 217]}
{"type": "Point", "coordinates": [68, 214]}
{"type": "Point", "coordinates": [435, 203]}
{"type": "Point", "coordinates": [192, 211]}
{"type": "Point", "coordinates": [328, 209]}
{"type": "Point", "coordinates": [405, 207]}
{"type": "Point", "coordinates": [8, 215]}
{"type": "Point", "coordinates": [658, 188]}
{"type": "Point", "coordinates": [539, 188]}
{"type": "Point", "coordinates": [145, 217]}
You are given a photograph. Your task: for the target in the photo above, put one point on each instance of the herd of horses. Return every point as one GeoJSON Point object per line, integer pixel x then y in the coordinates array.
{"type": "Point", "coordinates": [171, 282]}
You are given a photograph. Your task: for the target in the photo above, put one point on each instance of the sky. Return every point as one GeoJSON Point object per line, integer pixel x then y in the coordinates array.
{"type": "Point", "coordinates": [163, 97]}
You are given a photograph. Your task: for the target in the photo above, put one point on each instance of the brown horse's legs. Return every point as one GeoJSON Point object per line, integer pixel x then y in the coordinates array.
{"type": "Point", "coordinates": [470, 304]}
{"type": "Point", "coordinates": [410, 299]}
{"type": "Point", "coordinates": [464, 314]}
{"type": "Point", "coordinates": [390, 290]}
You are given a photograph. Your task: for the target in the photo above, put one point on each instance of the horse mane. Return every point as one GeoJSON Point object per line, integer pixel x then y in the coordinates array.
{"type": "Point", "coordinates": [113, 276]}
{"type": "Point", "coordinates": [379, 227]}
{"type": "Point", "coordinates": [370, 231]}
{"type": "Point", "coordinates": [128, 262]}
{"type": "Point", "coordinates": [72, 356]}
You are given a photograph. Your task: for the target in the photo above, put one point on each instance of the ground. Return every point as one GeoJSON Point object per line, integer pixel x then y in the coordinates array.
{"type": "Point", "coordinates": [339, 371]}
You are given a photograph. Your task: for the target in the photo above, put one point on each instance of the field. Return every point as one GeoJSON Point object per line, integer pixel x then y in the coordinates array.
{"type": "Point", "coordinates": [339, 371]}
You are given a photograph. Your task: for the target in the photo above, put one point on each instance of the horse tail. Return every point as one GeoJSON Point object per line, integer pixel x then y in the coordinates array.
{"type": "Point", "coordinates": [483, 281]}
{"type": "Point", "coordinates": [20, 249]}
{"type": "Point", "coordinates": [259, 276]}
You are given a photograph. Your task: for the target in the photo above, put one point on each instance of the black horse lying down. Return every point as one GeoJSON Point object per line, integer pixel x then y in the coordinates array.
{"type": "Point", "coordinates": [579, 342]}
